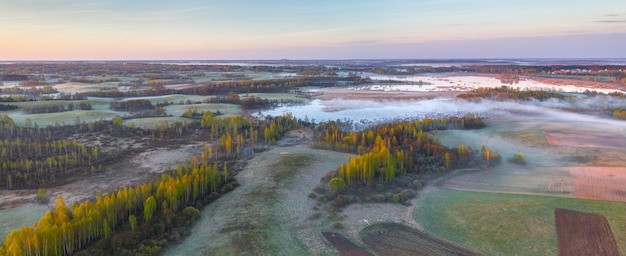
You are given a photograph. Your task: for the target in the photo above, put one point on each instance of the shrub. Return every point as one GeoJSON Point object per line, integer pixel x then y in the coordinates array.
{"type": "Point", "coordinates": [336, 184]}
{"type": "Point", "coordinates": [191, 213]}
{"type": "Point", "coordinates": [379, 198]}
{"type": "Point", "coordinates": [339, 201]}
{"type": "Point", "coordinates": [42, 196]}
{"type": "Point", "coordinates": [338, 225]}
{"type": "Point", "coordinates": [518, 159]}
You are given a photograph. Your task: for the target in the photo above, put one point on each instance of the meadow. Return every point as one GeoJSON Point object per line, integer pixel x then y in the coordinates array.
{"type": "Point", "coordinates": [507, 224]}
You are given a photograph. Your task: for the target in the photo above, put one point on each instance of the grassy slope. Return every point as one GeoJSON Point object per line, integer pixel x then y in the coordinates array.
{"type": "Point", "coordinates": [506, 224]}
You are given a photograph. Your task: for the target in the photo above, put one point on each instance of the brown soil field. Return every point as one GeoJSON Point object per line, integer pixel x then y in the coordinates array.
{"type": "Point", "coordinates": [601, 183]}
{"type": "Point", "coordinates": [580, 233]}
{"type": "Point", "coordinates": [585, 139]}
{"type": "Point", "coordinates": [344, 245]}
{"type": "Point", "coordinates": [395, 239]}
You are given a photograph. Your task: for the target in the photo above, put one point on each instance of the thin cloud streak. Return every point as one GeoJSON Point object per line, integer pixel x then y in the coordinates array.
{"type": "Point", "coordinates": [610, 21]}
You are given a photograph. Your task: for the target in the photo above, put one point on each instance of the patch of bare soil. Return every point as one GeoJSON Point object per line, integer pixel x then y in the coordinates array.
{"type": "Point", "coordinates": [580, 233]}
{"type": "Point", "coordinates": [602, 183]}
{"type": "Point", "coordinates": [344, 245]}
{"type": "Point", "coordinates": [585, 139]}
{"type": "Point", "coordinates": [395, 239]}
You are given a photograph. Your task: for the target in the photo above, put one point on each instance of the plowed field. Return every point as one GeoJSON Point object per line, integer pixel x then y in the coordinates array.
{"type": "Point", "coordinates": [395, 239]}
{"type": "Point", "coordinates": [580, 233]}
{"type": "Point", "coordinates": [344, 246]}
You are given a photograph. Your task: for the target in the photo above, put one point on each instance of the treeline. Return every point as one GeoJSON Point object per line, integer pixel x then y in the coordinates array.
{"type": "Point", "coordinates": [87, 80]}
{"type": "Point", "coordinates": [54, 108]}
{"type": "Point", "coordinates": [250, 102]}
{"type": "Point", "coordinates": [619, 114]}
{"type": "Point", "coordinates": [7, 107]}
{"type": "Point", "coordinates": [140, 220]}
{"type": "Point", "coordinates": [131, 105]}
{"type": "Point", "coordinates": [510, 93]}
{"type": "Point", "coordinates": [29, 90]}
{"type": "Point", "coordinates": [29, 83]}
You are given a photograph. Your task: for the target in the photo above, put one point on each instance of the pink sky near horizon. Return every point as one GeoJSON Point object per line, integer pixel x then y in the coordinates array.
{"type": "Point", "coordinates": [277, 29]}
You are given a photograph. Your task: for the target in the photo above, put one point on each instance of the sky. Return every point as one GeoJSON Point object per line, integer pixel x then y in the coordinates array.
{"type": "Point", "coordinates": [314, 29]}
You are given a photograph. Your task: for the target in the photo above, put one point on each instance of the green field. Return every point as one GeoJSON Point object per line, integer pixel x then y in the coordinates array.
{"type": "Point", "coordinates": [225, 109]}
{"type": "Point", "coordinates": [507, 224]}
{"type": "Point", "coordinates": [67, 117]}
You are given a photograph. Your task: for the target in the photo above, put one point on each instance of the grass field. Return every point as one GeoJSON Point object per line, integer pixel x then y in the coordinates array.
{"type": "Point", "coordinates": [67, 117]}
{"type": "Point", "coordinates": [507, 224]}
{"type": "Point", "coordinates": [225, 109]}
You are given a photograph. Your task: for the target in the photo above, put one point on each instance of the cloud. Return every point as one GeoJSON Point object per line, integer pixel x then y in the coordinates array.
{"type": "Point", "coordinates": [363, 42]}
{"type": "Point", "coordinates": [610, 21]}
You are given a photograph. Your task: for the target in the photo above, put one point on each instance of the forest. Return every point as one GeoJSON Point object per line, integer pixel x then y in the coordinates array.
{"type": "Point", "coordinates": [134, 220]}
{"type": "Point", "coordinates": [393, 150]}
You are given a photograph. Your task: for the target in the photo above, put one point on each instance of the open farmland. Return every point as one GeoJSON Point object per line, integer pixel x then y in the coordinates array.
{"type": "Point", "coordinates": [390, 239]}
{"type": "Point", "coordinates": [601, 183]}
{"type": "Point", "coordinates": [582, 233]}
{"type": "Point", "coordinates": [514, 179]}
{"type": "Point", "coordinates": [506, 224]}
{"type": "Point", "coordinates": [586, 139]}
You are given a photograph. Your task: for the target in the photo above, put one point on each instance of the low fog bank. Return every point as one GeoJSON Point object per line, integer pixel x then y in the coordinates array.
{"type": "Point", "coordinates": [367, 112]}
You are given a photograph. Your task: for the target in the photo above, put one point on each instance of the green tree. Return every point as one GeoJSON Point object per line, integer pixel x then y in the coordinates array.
{"type": "Point", "coordinates": [132, 222]}
{"type": "Point", "coordinates": [148, 208]}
